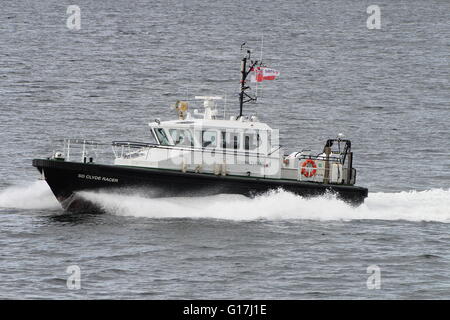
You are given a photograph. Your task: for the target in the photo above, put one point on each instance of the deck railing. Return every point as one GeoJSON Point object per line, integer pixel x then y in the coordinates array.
{"type": "Point", "coordinates": [347, 176]}
{"type": "Point", "coordinates": [125, 149]}
{"type": "Point", "coordinates": [87, 150]}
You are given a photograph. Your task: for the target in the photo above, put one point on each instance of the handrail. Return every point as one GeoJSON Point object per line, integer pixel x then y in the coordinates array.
{"type": "Point", "coordinates": [83, 141]}
{"type": "Point", "coordinates": [319, 157]}
{"type": "Point", "coordinates": [133, 144]}
{"type": "Point", "coordinates": [276, 149]}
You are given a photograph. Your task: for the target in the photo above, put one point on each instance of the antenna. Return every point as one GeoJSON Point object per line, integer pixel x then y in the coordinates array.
{"type": "Point", "coordinates": [262, 44]}
{"type": "Point", "coordinates": [225, 106]}
{"type": "Point", "coordinates": [209, 105]}
{"type": "Point", "coordinates": [260, 61]}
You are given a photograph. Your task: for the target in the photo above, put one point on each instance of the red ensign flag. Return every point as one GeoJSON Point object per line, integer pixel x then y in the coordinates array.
{"type": "Point", "coordinates": [262, 73]}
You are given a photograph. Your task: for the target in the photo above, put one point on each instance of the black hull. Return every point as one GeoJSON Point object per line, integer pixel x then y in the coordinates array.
{"type": "Point", "coordinates": [66, 178]}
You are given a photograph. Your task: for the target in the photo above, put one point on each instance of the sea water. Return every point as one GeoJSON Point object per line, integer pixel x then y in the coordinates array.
{"type": "Point", "coordinates": [385, 89]}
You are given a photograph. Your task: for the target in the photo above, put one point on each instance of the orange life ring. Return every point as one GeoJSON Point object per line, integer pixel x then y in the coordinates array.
{"type": "Point", "coordinates": [306, 168]}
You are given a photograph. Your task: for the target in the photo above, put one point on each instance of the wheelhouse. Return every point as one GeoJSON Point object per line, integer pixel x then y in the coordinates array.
{"type": "Point", "coordinates": [220, 135]}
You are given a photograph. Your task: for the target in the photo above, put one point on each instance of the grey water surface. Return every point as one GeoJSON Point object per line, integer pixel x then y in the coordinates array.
{"type": "Point", "coordinates": [387, 90]}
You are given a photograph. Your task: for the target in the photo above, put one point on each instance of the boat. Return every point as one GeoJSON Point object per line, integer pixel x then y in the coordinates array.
{"type": "Point", "coordinates": [201, 153]}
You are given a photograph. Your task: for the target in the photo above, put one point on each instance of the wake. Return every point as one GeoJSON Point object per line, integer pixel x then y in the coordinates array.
{"type": "Point", "coordinates": [429, 205]}
{"type": "Point", "coordinates": [36, 195]}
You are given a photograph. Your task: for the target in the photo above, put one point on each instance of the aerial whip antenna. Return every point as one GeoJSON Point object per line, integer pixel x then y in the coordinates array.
{"type": "Point", "coordinates": [260, 62]}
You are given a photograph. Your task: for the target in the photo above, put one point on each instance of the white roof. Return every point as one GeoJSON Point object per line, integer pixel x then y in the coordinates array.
{"type": "Point", "coordinates": [213, 123]}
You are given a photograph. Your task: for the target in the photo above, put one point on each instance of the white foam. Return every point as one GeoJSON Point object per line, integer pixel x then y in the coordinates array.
{"type": "Point", "coordinates": [431, 205]}
{"type": "Point", "coordinates": [36, 195]}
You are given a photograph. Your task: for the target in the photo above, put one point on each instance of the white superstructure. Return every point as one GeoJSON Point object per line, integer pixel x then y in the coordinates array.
{"type": "Point", "coordinates": [201, 142]}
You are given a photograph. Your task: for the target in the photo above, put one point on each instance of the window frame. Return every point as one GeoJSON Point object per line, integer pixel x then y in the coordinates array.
{"type": "Point", "coordinates": [215, 136]}
{"type": "Point", "coordinates": [253, 136]}
{"type": "Point", "coordinates": [164, 134]}
{"type": "Point", "coordinates": [184, 130]}
{"type": "Point", "coordinates": [226, 136]}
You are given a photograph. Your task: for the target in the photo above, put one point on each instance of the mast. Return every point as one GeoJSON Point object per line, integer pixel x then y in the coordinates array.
{"type": "Point", "coordinates": [243, 76]}
{"type": "Point", "coordinates": [243, 96]}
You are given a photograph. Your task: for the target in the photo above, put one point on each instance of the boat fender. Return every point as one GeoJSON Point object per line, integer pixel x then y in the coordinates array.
{"type": "Point", "coordinates": [306, 165]}
{"type": "Point", "coordinates": [217, 169]}
{"type": "Point", "coordinates": [223, 170]}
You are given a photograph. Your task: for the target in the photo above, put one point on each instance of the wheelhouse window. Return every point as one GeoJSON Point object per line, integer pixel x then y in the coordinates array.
{"type": "Point", "coordinates": [224, 139]}
{"type": "Point", "coordinates": [209, 139]}
{"type": "Point", "coordinates": [153, 139]}
{"type": "Point", "coordinates": [181, 137]}
{"type": "Point", "coordinates": [231, 140]}
{"type": "Point", "coordinates": [162, 137]}
{"type": "Point", "coordinates": [235, 140]}
{"type": "Point", "coordinates": [251, 141]}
